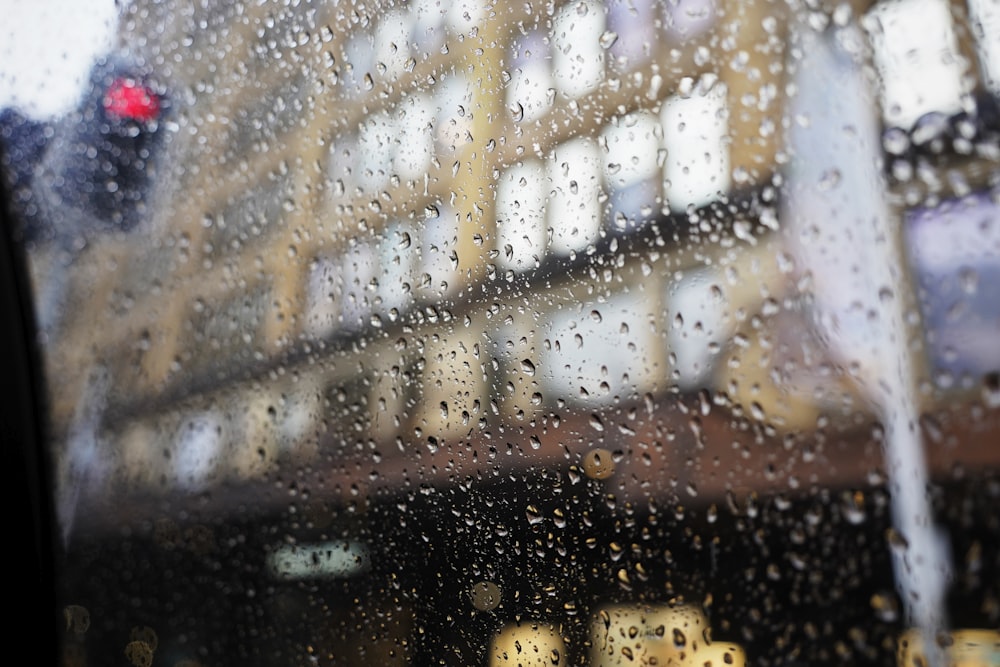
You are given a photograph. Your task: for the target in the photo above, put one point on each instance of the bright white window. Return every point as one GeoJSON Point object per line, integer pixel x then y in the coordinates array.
{"type": "Point", "coordinates": [323, 296]}
{"type": "Point", "coordinates": [464, 15]}
{"type": "Point", "coordinates": [633, 25]}
{"type": "Point", "coordinates": [322, 560]}
{"type": "Point", "coordinates": [599, 354]}
{"type": "Point", "coordinates": [359, 62]}
{"type": "Point", "coordinates": [574, 210]}
{"type": "Point", "coordinates": [917, 57]}
{"type": "Point", "coordinates": [631, 170]}
{"type": "Point", "coordinates": [426, 23]}
{"type": "Point", "coordinates": [695, 129]}
{"type": "Point", "coordinates": [698, 325]}
{"type": "Point", "coordinates": [340, 291]}
{"type": "Point", "coordinates": [531, 77]}
{"type": "Point", "coordinates": [689, 18]}
{"type": "Point", "coordinates": [632, 143]}
{"type": "Point", "coordinates": [392, 47]}
{"type": "Point", "coordinates": [577, 54]}
{"type": "Point", "coordinates": [377, 143]}
{"type": "Point", "coordinates": [454, 97]}
{"type": "Point", "coordinates": [438, 252]}
{"type": "Point", "coordinates": [520, 213]}
{"type": "Point", "coordinates": [198, 449]}
{"type": "Point", "coordinates": [415, 119]}
{"type": "Point", "coordinates": [397, 268]}
{"type": "Point", "coordinates": [358, 270]}
{"type": "Point", "coordinates": [343, 164]}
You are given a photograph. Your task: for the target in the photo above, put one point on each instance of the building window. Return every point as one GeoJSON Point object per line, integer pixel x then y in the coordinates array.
{"type": "Point", "coordinates": [633, 28]}
{"type": "Point", "coordinates": [529, 93]}
{"type": "Point", "coordinates": [916, 53]}
{"type": "Point", "coordinates": [696, 138]}
{"type": "Point", "coordinates": [574, 206]}
{"type": "Point", "coordinates": [603, 355]}
{"type": "Point", "coordinates": [521, 229]}
{"type": "Point", "coordinates": [577, 54]}
{"type": "Point", "coordinates": [632, 146]}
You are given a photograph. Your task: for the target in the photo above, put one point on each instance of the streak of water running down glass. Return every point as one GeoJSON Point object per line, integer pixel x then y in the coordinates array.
{"type": "Point", "coordinates": [846, 233]}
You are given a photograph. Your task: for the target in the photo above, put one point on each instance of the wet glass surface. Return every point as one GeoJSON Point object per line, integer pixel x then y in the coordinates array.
{"type": "Point", "coordinates": [653, 332]}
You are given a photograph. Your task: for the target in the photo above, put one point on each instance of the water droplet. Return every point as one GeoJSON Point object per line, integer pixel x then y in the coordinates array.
{"type": "Point", "coordinates": [596, 423]}
{"type": "Point", "coordinates": [533, 515]}
{"type": "Point", "coordinates": [517, 112]}
{"type": "Point", "coordinates": [527, 367]}
{"type": "Point", "coordinates": [885, 606]}
{"type": "Point", "coordinates": [77, 619]}
{"type": "Point", "coordinates": [559, 519]}
{"type": "Point", "coordinates": [829, 179]}
{"type": "Point", "coordinates": [139, 654]}
{"type": "Point", "coordinates": [853, 507]}
{"type": "Point", "coordinates": [608, 39]}
{"type": "Point", "coordinates": [485, 596]}
{"type": "Point", "coordinates": [969, 279]}
{"type": "Point", "coordinates": [895, 141]}
{"type": "Point", "coordinates": [598, 464]}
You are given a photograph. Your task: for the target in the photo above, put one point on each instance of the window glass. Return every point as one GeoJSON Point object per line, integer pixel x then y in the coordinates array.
{"type": "Point", "coordinates": [638, 332]}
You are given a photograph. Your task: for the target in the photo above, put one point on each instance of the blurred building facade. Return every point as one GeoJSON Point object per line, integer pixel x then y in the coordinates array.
{"type": "Point", "coordinates": [458, 232]}
{"type": "Point", "coordinates": [409, 245]}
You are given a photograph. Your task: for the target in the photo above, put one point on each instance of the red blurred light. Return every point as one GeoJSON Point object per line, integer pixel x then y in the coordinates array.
{"type": "Point", "coordinates": [128, 100]}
